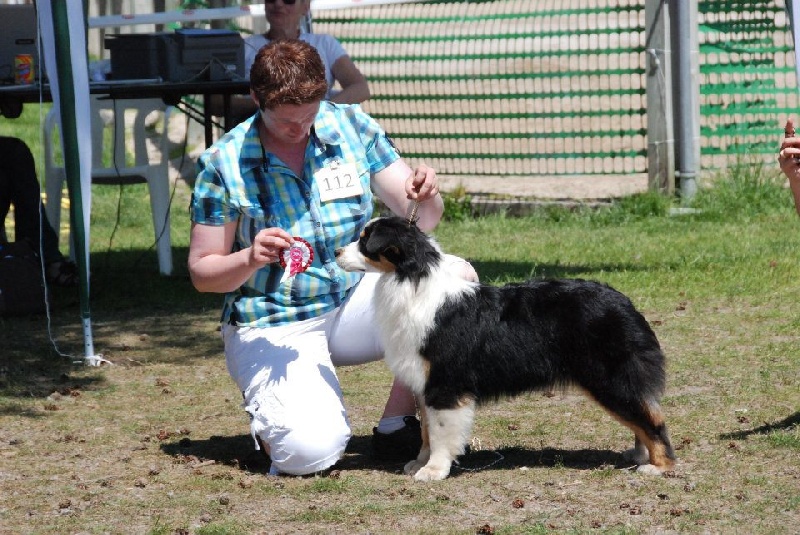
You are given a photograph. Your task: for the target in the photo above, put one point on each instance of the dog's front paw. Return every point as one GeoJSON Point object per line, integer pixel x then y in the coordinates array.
{"type": "Point", "coordinates": [429, 473]}
{"type": "Point", "coordinates": [649, 469]}
{"type": "Point", "coordinates": [426, 473]}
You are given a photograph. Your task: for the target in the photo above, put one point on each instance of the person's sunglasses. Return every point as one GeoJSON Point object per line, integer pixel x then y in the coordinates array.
{"type": "Point", "coordinates": [287, 2]}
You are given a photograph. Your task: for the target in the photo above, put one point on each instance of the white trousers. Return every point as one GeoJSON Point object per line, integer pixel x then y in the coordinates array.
{"type": "Point", "coordinates": [287, 378]}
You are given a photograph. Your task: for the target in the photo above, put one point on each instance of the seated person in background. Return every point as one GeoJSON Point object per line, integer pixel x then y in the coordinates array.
{"type": "Point", "coordinates": [260, 189]}
{"type": "Point", "coordinates": [789, 160]}
{"type": "Point", "coordinates": [20, 187]}
{"type": "Point", "coordinates": [284, 20]}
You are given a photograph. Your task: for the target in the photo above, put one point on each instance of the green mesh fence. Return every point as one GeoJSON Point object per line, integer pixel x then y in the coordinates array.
{"type": "Point", "coordinates": [557, 87]}
{"type": "Point", "coordinates": [748, 84]}
{"type": "Point", "coordinates": [509, 87]}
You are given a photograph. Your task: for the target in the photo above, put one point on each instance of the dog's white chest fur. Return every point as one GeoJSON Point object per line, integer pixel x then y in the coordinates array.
{"type": "Point", "coordinates": [405, 313]}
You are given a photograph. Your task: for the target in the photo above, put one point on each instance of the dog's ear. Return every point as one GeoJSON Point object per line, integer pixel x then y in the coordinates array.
{"type": "Point", "coordinates": [378, 243]}
{"type": "Point", "coordinates": [385, 238]}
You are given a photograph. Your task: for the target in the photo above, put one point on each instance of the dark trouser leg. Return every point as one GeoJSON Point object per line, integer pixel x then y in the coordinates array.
{"type": "Point", "coordinates": [20, 187]}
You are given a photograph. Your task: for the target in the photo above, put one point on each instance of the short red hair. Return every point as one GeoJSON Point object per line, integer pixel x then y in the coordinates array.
{"type": "Point", "coordinates": [287, 71]}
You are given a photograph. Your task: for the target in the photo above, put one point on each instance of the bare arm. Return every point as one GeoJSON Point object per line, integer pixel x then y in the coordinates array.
{"type": "Point", "coordinates": [355, 88]}
{"type": "Point", "coordinates": [789, 159]}
{"type": "Point", "coordinates": [398, 185]}
{"type": "Point", "coordinates": [214, 268]}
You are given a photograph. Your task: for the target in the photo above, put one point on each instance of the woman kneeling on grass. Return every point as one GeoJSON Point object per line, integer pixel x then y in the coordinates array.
{"type": "Point", "coordinates": [274, 198]}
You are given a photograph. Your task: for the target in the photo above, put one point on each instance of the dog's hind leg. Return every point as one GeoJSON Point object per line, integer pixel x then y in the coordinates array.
{"type": "Point", "coordinates": [448, 432]}
{"type": "Point", "coordinates": [638, 454]}
{"type": "Point", "coordinates": [652, 449]}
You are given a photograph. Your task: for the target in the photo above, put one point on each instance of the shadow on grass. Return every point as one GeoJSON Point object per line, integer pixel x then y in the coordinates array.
{"type": "Point", "coordinates": [136, 315]}
{"type": "Point", "coordinates": [359, 456]}
{"type": "Point", "coordinates": [227, 450]}
{"type": "Point", "coordinates": [493, 272]}
{"type": "Point", "coordinates": [238, 451]}
{"type": "Point", "coordinates": [782, 425]}
{"type": "Point", "coordinates": [514, 458]}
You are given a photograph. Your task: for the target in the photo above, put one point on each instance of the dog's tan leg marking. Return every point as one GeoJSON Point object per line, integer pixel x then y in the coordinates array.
{"type": "Point", "coordinates": [412, 467]}
{"type": "Point", "coordinates": [660, 462]}
{"type": "Point", "coordinates": [646, 449]}
{"type": "Point", "coordinates": [426, 441]}
{"type": "Point", "coordinates": [659, 451]}
{"type": "Point", "coordinates": [651, 455]}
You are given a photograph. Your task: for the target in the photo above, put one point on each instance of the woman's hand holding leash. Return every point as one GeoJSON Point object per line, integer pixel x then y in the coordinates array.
{"type": "Point", "coordinates": [422, 184]}
{"type": "Point", "coordinates": [789, 153]}
{"type": "Point", "coordinates": [789, 160]}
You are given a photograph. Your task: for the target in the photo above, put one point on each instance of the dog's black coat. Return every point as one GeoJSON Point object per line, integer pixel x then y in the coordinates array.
{"type": "Point", "coordinates": [542, 334]}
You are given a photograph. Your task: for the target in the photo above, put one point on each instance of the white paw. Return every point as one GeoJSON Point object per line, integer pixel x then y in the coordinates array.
{"type": "Point", "coordinates": [649, 469]}
{"type": "Point", "coordinates": [429, 473]}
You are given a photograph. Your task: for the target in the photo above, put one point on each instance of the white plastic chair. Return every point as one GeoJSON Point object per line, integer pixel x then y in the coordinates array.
{"type": "Point", "coordinates": [128, 143]}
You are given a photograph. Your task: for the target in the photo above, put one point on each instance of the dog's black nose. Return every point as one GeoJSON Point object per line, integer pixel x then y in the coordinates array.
{"type": "Point", "coordinates": [337, 252]}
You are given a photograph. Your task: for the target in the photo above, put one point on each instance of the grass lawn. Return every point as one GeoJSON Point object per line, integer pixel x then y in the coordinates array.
{"type": "Point", "coordinates": [156, 442]}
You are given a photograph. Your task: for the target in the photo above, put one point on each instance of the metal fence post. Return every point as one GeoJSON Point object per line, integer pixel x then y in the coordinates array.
{"type": "Point", "coordinates": [660, 138]}
{"type": "Point", "coordinates": [686, 91]}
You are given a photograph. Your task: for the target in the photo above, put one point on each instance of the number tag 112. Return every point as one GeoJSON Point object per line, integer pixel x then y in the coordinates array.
{"type": "Point", "coordinates": [338, 182]}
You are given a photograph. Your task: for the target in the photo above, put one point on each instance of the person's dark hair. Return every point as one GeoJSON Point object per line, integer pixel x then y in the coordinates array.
{"type": "Point", "coordinates": [287, 71]}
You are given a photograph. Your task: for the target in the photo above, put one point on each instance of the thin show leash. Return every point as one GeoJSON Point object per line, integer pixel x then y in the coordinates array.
{"type": "Point", "coordinates": [476, 447]}
{"type": "Point", "coordinates": [411, 213]}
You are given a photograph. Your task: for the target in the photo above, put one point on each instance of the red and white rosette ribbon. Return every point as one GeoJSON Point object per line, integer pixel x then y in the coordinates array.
{"type": "Point", "coordinates": [296, 258]}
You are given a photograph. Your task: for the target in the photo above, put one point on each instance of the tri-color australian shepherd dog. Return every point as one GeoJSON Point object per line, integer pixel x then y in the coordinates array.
{"type": "Point", "coordinates": [457, 344]}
